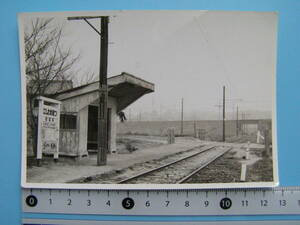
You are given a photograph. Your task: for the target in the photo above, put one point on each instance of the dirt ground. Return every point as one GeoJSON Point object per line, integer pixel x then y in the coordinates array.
{"type": "Point", "coordinates": [134, 149]}
{"type": "Point", "coordinates": [262, 170]}
{"type": "Point", "coordinates": [226, 169]}
{"type": "Point", "coordinates": [127, 144]}
{"type": "Point", "coordinates": [63, 170]}
{"type": "Point", "coordinates": [223, 170]}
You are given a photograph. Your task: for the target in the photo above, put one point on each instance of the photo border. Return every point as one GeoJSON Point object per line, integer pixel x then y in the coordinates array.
{"type": "Point", "coordinates": [26, 184]}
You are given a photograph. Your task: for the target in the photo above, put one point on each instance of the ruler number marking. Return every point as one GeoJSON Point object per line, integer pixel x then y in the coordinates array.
{"type": "Point", "coordinates": [187, 203]}
{"type": "Point", "coordinates": [245, 203]}
{"type": "Point", "coordinates": [167, 203]}
{"type": "Point", "coordinates": [282, 202]}
{"type": "Point", "coordinates": [263, 203]}
{"type": "Point", "coordinates": [147, 204]}
{"type": "Point", "coordinates": [50, 201]}
{"type": "Point", "coordinates": [225, 203]}
{"type": "Point", "coordinates": [206, 203]}
{"type": "Point", "coordinates": [69, 201]}
{"type": "Point", "coordinates": [31, 200]}
{"type": "Point", "coordinates": [128, 203]}
{"type": "Point", "coordinates": [88, 202]}
{"type": "Point", "coordinates": [108, 203]}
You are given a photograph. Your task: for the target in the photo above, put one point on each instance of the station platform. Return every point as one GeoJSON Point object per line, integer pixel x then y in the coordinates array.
{"type": "Point", "coordinates": [65, 171]}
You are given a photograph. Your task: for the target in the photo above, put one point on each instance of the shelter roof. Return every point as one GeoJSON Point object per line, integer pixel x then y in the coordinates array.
{"type": "Point", "coordinates": [125, 88]}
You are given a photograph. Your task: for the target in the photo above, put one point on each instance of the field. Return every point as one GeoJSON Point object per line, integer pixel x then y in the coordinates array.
{"type": "Point", "coordinates": [212, 128]}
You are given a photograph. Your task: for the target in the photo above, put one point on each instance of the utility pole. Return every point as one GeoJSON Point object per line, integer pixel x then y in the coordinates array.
{"type": "Point", "coordinates": [223, 114]}
{"type": "Point", "coordinates": [237, 120]}
{"type": "Point", "coordinates": [243, 125]}
{"type": "Point", "coordinates": [103, 91]}
{"type": "Point", "coordinates": [181, 130]}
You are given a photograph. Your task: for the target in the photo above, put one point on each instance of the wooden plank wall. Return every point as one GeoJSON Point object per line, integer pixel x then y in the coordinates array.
{"type": "Point", "coordinates": [68, 142]}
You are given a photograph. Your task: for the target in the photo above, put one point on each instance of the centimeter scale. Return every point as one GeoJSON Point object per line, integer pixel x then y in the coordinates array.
{"type": "Point", "coordinates": [256, 201]}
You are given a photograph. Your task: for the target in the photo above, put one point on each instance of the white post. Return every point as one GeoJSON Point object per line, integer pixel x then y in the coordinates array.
{"type": "Point", "coordinates": [243, 172]}
{"type": "Point", "coordinates": [259, 137]}
{"type": "Point", "coordinates": [247, 150]}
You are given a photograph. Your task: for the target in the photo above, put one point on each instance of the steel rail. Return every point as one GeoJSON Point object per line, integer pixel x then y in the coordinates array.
{"type": "Point", "coordinates": [163, 166]}
{"type": "Point", "coordinates": [201, 167]}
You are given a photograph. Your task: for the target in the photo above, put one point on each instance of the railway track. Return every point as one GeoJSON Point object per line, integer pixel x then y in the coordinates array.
{"type": "Point", "coordinates": [179, 170]}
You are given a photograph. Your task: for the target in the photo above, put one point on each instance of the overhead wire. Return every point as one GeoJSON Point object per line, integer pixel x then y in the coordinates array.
{"type": "Point", "coordinates": [218, 58]}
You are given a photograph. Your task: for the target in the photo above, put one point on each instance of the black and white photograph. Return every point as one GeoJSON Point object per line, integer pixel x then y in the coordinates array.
{"type": "Point", "coordinates": [148, 99]}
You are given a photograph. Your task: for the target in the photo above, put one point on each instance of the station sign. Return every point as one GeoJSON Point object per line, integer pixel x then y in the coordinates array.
{"type": "Point", "coordinates": [48, 127]}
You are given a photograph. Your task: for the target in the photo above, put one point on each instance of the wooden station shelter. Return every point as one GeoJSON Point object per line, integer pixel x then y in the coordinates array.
{"type": "Point", "coordinates": [79, 112]}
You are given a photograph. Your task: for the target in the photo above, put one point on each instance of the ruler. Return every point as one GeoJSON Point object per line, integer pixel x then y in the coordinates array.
{"type": "Point", "coordinates": [94, 222]}
{"type": "Point", "coordinates": [253, 201]}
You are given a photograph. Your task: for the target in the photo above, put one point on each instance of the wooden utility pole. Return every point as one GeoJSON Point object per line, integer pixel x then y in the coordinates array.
{"type": "Point", "coordinates": [223, 114]}
{"type": "Point", "coordinates": [103, 91]}
{"type": "Point", "coordinates": [243, 124]}
{"type": "Point", "coordinates": [237, 120]}
{"type": "Point", "coordinates": [181, 130]}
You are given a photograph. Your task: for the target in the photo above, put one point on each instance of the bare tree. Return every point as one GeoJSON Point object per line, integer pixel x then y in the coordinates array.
{"type": "Point", "coordinates": [47, 62]}
{"type": "Point", "coordinates": [85, 78]}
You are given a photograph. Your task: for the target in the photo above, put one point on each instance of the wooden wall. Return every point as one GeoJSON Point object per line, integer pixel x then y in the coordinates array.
{"type": "Point", "coordinates": [68, 140]}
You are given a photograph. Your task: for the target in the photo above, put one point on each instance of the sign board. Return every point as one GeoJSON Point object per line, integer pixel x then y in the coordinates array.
{"type": "Point", "coordinates": [48, 127]}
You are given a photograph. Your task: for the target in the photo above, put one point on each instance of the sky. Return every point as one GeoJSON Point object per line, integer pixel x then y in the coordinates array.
{"type": "Point", "coordinates": [186, 54]}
